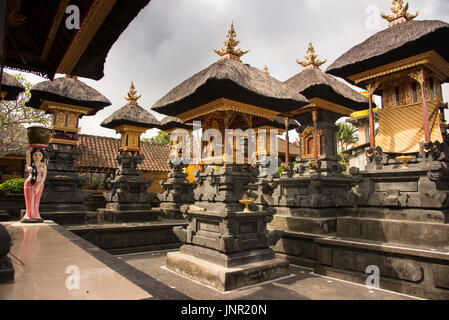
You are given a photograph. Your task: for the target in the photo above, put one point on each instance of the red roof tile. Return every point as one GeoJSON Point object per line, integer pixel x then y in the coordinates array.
{"type": "Point", "coordinates": [100, 152]}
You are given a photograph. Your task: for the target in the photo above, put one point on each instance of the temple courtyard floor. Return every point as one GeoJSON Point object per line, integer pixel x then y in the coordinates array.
{"type": "Point", "coordinates": [53, 263]}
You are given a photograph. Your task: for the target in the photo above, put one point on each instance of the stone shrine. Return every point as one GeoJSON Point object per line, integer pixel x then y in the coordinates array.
{"type": "Point", "coordinates": [67, 99]}
{"type": "Point", "coordinates": [128, 200]}
{"type": "Point", "coordinates": [225, 245]}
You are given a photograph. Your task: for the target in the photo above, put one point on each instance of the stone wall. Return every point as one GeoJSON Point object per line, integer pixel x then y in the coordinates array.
{"type": "Point", "coordinates": [157, 176]}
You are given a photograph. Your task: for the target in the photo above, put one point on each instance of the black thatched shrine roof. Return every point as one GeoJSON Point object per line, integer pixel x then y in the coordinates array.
{"type": "Point", "coordinates": [314, 83]}
{"type": "Point", "coordinates": [12, 86]}
{"type": "Point", "coordinates": [131, 114]}
{"type": "Point", "coordinates": [68, 91]}
{"type": "Point", "coordinates": [169, 123]}
{"type": "Point", "coordinates": [38, 41]}
{"type": "Point", "coordinates": [398, 42]}
{"type": "Point", "coordinates": [233, 80]}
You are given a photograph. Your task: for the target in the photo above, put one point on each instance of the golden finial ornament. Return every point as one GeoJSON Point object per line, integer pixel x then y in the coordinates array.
{"type": "Point", "coordinates": [265, 70]}
{"type": "Point", "coordinates": [311, 60]}
{"type": "Point", "coordinates": [132, 98]}
{"type": "Point", "coordinates": [400, 13]}
{"type": "Point", "coordinates": [229, 52]}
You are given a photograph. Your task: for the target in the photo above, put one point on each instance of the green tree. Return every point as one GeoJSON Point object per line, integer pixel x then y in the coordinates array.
{"type": "Point", "coordinates": [346, 134]}
{"type": "Point", "coordinates": [14, 115]}
{"type": "Point", "coordinates": [162, 138]}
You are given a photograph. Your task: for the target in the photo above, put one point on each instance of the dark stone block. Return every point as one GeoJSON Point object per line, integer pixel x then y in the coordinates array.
{"type": "Point", "coordinates": [6, 267]}
{"type": "Point", "coordinates": [441, 276]}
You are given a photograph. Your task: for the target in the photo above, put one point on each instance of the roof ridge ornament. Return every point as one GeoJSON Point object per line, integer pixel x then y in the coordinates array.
{"type": "Point", "coordinates": [229, 52]}
{"type": "Point", "coordinates": [400, 13]}
{"type": "Point", "coordinates": [132, 98]}
{"type": "Point", "coordinates": [265, 70]}
{"type": "Point", "coordinates": [311, 60]}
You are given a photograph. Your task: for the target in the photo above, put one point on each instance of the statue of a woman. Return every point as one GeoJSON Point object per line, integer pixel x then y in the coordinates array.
{"type": "Point", "coordinates": [34, 185]}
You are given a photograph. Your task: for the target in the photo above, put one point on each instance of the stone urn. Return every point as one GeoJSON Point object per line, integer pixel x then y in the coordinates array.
{"type": "Point", "coordinates": [38, 135]}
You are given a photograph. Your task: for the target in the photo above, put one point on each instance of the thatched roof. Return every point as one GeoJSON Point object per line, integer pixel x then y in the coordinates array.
{"type": "Point", "coordinates": [12, 86]}
{"type": "Point", "coordinates": [314, 83]}
{"type": "Point", "coordinates": [392, 44]}
{"type": "Point", "coordinates": [232, 80]}
{"type": "Point", "coordinates": [41, 43]}
{"type": "Point", "coordinates": [131, 114]}
{"type": "Point", "coordinates": [69, 91]}
{"type": "Point", "coordinates": [169, 123]}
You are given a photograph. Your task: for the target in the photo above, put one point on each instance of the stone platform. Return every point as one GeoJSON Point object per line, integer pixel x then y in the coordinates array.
{"type": "Point", "coordinates": [44, 260]}
{"type": "Point", "coordinates": [115, 212]}
{"type": "Point", "coordinates": [131, 237]}
{"type": "Point", "coordinates": [43, 252]}
{"type": "Point", "coordinates": [226, 278]}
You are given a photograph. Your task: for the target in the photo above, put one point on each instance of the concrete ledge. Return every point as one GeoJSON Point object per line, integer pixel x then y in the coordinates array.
{"type": "Point", "coordinates": [226, 279]}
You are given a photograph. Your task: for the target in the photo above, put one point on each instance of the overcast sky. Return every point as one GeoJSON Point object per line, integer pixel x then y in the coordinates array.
{"type": "Point", "coordinates": [169, 41]}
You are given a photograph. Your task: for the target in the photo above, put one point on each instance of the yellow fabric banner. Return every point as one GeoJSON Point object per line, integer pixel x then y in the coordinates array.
{"type": "Point", "coordinates": [401, 129]}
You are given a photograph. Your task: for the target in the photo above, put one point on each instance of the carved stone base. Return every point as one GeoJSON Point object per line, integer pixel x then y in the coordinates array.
{"type": "Point", "coordinates": [223, 278]}
{"type": "Point", "coordinates": [411, 233]}
{"type": "Point", "coordinates": [62, 217]}
{"type": "Point", "coordinates": [127, 213]}
{"type": "Point", "coordinates": [170, 210]}
{"type": "Point", "coordinates": [409, 270]}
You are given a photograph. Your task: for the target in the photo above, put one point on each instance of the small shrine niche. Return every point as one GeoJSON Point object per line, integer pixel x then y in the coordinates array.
{"type": "Point", "coordinates": [130, 138]}
{"type": "Point", "coordinates": [65, 122]}
{"type": "Point", "coordinates": [306, 141]}
{"type": "Point", "coordinates": [407, 91]}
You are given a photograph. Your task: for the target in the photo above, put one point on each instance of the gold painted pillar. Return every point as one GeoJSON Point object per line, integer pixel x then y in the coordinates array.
{"type": "Point", "coordinates": [315, 137]}
{"type": "Point", "coordinates": [287, 142]}
{"type": "Point", "coordinates": [420, 77]}
{"type": "Point", "coordinates": [371, 88]}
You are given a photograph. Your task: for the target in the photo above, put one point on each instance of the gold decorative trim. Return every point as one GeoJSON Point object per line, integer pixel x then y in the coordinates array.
{"type": "Point", "coordinates": [311, 60]}
{"type": "Point", "coordinates": [75, 130]}
{"type": "Point", "coordinates": [400, 13]}
{"type": "Point", "coordinates": [121, 149]}
{"type": "Point", "coordinates": [330, 106]}
{"type": "Point", "coordinates": [63, 141]}
{"type": "Point", "coordinates": [132, 95]}
{"type": "Point", "coordinates": [125, 128]}
{"type": "Point", "coordinates": [54, 28]}
{"type": "Point", "coordinates": [98, 12]}
{"type": "Point", "coordinates": [57, 106]}
{"type": "Point", "coordinates": [230, 52]}
{"type": "Point", "coordinates": [265, 70]}
{"type": "Point", "coordinates": [223, 104]}
{"type": "Point", "coordinates": [430, 59]}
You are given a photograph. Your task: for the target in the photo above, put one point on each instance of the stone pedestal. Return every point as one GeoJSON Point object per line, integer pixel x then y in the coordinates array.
{"type": "Point", "coordinates": [128, 200]}
{"type": "Point", "coordinates": [223, 246]}
{"type": "Point", "coordinates": [62, 199]}
{"type": "Point", "coordinates": [178, 191]}
{"type": "Point", "coordinates": [400, 223]}
{"type": "Point", "coordinates": [6, 267]}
